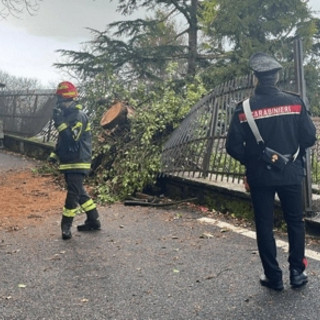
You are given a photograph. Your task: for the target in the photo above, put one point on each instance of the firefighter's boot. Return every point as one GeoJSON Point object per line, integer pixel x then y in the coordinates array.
{"type": "Point", "coordinates": [92, 222]}
{"type": "Point", "coordinates": [66, 224]}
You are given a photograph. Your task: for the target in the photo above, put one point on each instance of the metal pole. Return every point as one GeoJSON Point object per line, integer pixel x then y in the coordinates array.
{"type": "Point", "coordinates": [301, 89]}
{"type": "Point", "coordinates": [209, 147]}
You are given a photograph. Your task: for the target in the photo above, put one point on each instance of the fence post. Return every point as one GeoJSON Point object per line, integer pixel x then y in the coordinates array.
{"type": "Point", "coordinates": [301, 89]}
{"type": "Point", "coordinates": [210, 142]}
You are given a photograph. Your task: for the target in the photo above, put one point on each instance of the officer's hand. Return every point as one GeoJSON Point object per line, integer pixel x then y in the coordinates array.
{"type": "Point", "coordinates": [57, 116]}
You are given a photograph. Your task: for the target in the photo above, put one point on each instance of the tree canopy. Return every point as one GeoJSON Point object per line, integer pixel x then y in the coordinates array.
{"type": "Point", "coordinates": [213, 38]}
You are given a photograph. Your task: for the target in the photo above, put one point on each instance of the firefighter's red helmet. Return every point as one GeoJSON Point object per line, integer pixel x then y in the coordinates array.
{"type": "Point", "coordinates": [67, 90]}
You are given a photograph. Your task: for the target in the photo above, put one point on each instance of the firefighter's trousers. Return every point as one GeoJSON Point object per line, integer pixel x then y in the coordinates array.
{"type": "Point", "coordinates": [76, 195]}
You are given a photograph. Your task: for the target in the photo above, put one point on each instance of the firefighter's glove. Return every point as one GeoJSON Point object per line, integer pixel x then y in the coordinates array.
{"type": "Point", "coordinates": [53, 158]}
{"type": "Point", "coordinates": [57, 117]}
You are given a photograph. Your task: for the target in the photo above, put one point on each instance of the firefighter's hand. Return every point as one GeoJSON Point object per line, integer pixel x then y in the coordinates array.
{"type": "Point", "coordinates": [57, 116]}
{"type": "Point", "coordinates": [52, 159]}
{"type": "Point", "coordinates": [74, 146]}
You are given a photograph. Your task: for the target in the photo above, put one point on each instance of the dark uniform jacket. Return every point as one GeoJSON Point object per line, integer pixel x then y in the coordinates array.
{"type": "Point", "coordinates": [284, 125]}
{"type": "Point", "coordinates": [74, 147]}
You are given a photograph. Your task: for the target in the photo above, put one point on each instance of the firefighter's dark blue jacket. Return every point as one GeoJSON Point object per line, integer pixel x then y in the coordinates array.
{"type": "Point", "coordinates": [284, 125]}
{"type": "Point", "coordinates": [74, 148]}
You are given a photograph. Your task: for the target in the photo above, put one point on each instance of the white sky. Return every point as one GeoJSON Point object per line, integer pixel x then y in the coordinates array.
{"type": "Point", "coordinates": [28, 43]}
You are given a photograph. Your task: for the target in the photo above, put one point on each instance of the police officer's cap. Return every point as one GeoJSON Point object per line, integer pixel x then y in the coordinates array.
{"type": "Point", "coordinates": [261, 62]}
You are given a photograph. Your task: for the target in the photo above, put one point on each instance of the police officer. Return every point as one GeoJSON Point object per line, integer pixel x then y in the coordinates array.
{"type": "Point", "coordinates": [73, 151]}
{"type": "Point", "coordinates": [286, 127]}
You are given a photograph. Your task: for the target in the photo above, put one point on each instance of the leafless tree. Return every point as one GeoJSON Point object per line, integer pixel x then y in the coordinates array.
{"type": "Point", "coordinates": [13, 83]}
{"type": "Point", "coordinates": [16, 7]}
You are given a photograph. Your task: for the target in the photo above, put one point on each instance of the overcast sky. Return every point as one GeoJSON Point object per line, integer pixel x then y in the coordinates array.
{"type": "Point", "coordinates": [28, 43]}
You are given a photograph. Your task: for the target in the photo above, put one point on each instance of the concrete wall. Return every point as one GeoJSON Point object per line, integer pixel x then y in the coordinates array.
{"type": "Point", "coordinates": [221, 198]}
{"type": "Point", "coordinates": [27, 147]}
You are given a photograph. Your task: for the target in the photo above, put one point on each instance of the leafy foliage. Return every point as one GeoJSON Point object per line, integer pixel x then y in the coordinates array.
{"type": "Point", "coordinates": [129, 160]}
{"type": "Point", "coordinates": [245, 27]}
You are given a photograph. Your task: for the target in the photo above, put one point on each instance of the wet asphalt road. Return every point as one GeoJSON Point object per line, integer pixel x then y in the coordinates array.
{"type": "Point", "coordinates": [146, 263]}
{"type": "Point", "coordinates": [10, 161]}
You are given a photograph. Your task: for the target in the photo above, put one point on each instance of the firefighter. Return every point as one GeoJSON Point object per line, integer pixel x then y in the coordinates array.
{"type": "Point", "coordinates": [287, 128]}
{"type": "Point", "coordinates": [73, 151]}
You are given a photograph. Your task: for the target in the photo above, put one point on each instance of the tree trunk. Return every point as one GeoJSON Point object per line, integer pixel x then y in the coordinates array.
{"type": "Point", "coordinates": [116, 117]}
{"type": "Point", "coordinates": [193, 40]}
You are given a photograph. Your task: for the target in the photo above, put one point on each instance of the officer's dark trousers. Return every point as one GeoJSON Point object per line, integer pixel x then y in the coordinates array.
{"type": "Point", "coordinates": [76, 194]}
{"type": "Point", "coordinates": [291, 203]}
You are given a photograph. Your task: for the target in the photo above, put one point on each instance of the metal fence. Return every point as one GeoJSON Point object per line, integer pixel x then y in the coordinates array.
{"type": "Point", "coordinates": [197, 148]}
{"type": "Point", "coordinates": [25, 113]}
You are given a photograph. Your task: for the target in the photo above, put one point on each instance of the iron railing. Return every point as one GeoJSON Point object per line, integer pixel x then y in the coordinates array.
{"type": "Point", "coordinates": [25, 113]}
{"type": "Point", "coordinates": [197, 148]}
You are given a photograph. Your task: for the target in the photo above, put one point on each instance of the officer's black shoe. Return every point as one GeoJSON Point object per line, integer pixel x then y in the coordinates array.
{"type": "Point", "coordinates": [90, 225]}
{"type": "Point", "coordinates": [66, 224]}
{"type": "Point", "coordinates": [297, 279]}
{"type": "Point", "coordinates": [274, 285]}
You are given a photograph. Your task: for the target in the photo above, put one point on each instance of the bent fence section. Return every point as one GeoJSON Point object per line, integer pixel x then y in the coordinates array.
{"type": "Point", "coordinates": [196, 150]}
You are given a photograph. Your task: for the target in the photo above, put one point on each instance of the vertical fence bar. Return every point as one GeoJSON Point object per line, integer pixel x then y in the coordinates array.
{"type": "Point", "coordinates": [301, 89]}
{"type": "Point", "coordinates": [212, 128]}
